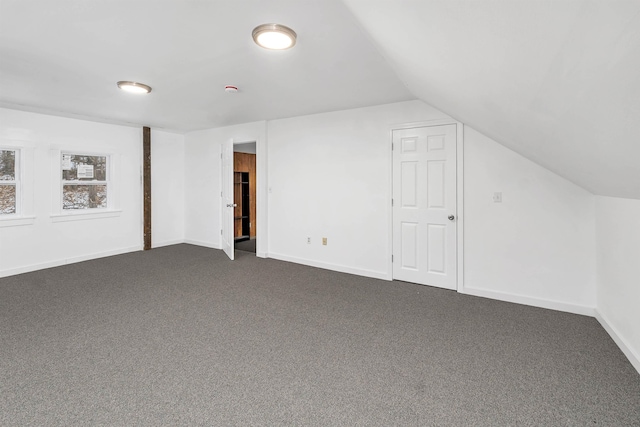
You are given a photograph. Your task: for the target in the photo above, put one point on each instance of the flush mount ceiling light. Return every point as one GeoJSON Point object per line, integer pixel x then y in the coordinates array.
{"type": "Point", "coordinates": [274, 36]}
{"type": "Point", "coordinates": [134, 87]}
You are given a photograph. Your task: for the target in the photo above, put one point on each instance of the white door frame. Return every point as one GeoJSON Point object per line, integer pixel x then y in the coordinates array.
{"type": "Point", "coordinates": [459, 194]}
{"type": "Point", "coordinates": [261, 193]}
{"type": "Point", "coordinates": [226, 222]}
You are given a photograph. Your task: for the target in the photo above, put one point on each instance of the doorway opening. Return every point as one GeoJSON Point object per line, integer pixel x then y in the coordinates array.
{"type": "Point", "coordinates": [245, 197]}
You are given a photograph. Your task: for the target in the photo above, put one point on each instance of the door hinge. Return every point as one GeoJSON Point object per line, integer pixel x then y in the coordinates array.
{"type": "Point", "coordinates": [391, 257]}
{"type": "Point", "coordinates": [392, 146]}
{"type": "Point", "coordinates": [221, 194]}
{"type": "Point", "coordinates": [391, 202]}
{"type": "Point", "coordinates": [221, 232]}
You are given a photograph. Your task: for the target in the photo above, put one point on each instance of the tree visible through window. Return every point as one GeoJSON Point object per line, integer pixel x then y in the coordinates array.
{"type": "Point", "coordinates": [84, 181]}
{"type": "Point", "coordinates": [8, 182]}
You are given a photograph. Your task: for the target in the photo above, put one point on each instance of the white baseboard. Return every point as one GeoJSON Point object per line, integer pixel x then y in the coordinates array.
{"type": "Point", "coordinates": [202, 243]}
{"type": "Point", "coordinates": [166, 243]}
{"type": "Point", "coordinates": [534, 302]}
{"type": "Point", "coordinates": [633, 357]}
{"type": "Point", "coordinates": [64, 261]}
{"type": "Point", "coordinates": [328, 266]}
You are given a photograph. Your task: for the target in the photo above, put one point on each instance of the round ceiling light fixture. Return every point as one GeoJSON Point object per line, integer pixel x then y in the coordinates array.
{"type": "Point", "coordinates": [274, 36]}
{"type": "Point", "coordinates": [134, 87]}
{"type": "Point", "coordinates": [230, 89]}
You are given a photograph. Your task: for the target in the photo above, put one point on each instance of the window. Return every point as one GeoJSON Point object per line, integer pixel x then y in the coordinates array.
{"type": "Point", "coordinates": [9, 182]}
{"type": "Point", "coordinates": [85, 181]}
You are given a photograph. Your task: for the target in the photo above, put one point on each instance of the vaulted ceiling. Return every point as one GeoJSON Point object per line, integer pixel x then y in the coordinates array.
{"type": "Point", "coordinates": [65, 57]}
{"type": "Point", "coordinates": [556, 81]}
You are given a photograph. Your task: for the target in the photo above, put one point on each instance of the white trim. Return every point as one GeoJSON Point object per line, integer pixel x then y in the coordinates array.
{"type": "Point", "coordinates": [460, 205]}
{"type": "Point", "coordinates": [112, 182]}
{"type": "Point", "coordinates": [261, 190]}
{"type": "Point", "coordinates": [64, 261]}
{"type": "Point", "coordinates": [619, 340]}
{"type": "Point", "coordinates": [388, 198]}
{"type": "Point", "coordinates": [201, 243]}
{"type": "Point", "coordinates": [262, 195]}
{"type": "Point", "coordinates": [459, 194]}
{"type": "Point", "coordinates": [534, 302]}
{"type": "Point", "coordinates": [24, 180]}
{"type": "Point", "coordinates": [79, 215]}
{"type": "Point", "coordinates": [426, 123]}
{"type": "Point", "coordinates": [17, 220]}
{"type": "Point", "coordinates": [18, 177]}
{"type": "Point", "coordinates": [167, 243]}
{"type": "Point", "coordinates": [328, 266]}
{"type": "Point", "coordinates": [261, 177]}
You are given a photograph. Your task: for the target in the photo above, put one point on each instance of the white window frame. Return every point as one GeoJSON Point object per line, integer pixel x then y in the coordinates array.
{"type": "Point", "coordinates": [60, 214]}
{"type": "Point", "coordinates": [17, 181]}
{"type": "Point", "coordinates": [20, 216]}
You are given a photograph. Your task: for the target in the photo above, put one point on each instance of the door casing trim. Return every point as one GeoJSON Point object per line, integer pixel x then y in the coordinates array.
{"type": "Point", "coordinates": [459, 194]}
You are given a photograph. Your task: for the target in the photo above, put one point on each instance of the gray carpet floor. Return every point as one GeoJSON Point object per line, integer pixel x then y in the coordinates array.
{"type": "Point", "coordinates": [182, 336]}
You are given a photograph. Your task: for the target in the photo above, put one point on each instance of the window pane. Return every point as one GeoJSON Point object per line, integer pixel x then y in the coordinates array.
{"type": "Point", "coordinates": [84, 168]}
{"type": "Point", "coordinates": [7, 165]}
{"type": "Point", "coordinates": [84, 196]}
{"type": "Point", "coordinates": [7, 199]}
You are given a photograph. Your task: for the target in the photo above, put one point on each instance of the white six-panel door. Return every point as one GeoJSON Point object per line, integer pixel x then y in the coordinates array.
{"type": "Point", "coordinates": [226, 160]}
{"type": "Point", "coordinates": [424, 205]}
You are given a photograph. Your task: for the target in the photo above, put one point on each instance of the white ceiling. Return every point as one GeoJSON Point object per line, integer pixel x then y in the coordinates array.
{"type": "Point", "coordinates": [557, 81]}
{"type": "Point", "coordinates": [65, 56]}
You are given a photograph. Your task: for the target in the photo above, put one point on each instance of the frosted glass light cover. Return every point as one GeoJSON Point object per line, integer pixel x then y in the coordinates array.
{"type": "Point", "coordinates": [274, 36]}
{"type": "Point", "coordinates": [134, 87]}
{"type": "Point", "coordinates": [273, 40]}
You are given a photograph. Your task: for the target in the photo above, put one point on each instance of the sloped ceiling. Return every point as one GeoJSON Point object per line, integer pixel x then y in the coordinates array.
{"type": "Point", "coordinates": [556, 81]}
{"type": "Point", "coordinates": [64, 57]}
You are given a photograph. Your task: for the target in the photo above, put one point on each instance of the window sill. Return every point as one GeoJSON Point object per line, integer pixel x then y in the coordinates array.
{"type": "Point", "coordinates": [80, 216]}
{"type": "Point", "coordinates": [17, 220]}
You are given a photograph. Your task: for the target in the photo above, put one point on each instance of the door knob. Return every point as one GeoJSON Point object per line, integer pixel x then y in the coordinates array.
{"type": "Point", "coordinates": [451, 217]}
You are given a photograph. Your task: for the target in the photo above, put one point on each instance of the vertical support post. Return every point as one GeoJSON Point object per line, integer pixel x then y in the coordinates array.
{"type": "Point", "coordinates": [146, 184]}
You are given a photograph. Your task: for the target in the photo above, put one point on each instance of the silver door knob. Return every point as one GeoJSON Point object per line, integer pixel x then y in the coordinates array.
{"type": "Point", "coordinates": [451, 217]}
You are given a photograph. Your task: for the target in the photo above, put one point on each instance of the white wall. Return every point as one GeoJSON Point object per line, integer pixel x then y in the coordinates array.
{"type": "Point", "coordinates": [167, 188]}
{"type": "Point", "coordinates": [202, 182]}
{"type": "Point", "coordinates": [329, 176]}
{"type": "Point", "coordinates": [618, 267]}
{"type": "Point", "coordinates": [248, 147]}
{"type": "Point", "coordinates": [47, 240]}
{"type": "Point", "coordinates": [537, 246]}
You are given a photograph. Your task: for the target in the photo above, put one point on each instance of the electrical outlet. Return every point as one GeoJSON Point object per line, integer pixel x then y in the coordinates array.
{"type": "Point", "coordinates": [324, 241]}
{"type": "Point", "coordinates": [497, 197]}
{"type": "Point", "coordinates": [308, 240]}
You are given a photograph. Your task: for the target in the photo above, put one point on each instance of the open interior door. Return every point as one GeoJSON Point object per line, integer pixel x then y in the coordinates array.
{"type": "Point", "coordinates": [227, 198]}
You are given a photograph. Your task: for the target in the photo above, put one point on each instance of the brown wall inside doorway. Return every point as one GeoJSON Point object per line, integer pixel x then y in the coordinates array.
{"type": "Point", "coordinates": [245, 162]}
